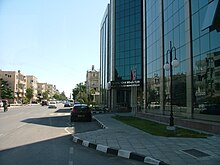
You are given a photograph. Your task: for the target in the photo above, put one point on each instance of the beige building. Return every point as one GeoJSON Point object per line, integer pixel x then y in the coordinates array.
{"type": "Point", "coordinates": [41, 88]}
{"type": "Point", "coordinates": [32, 83]}
{"type": "Point", "coordinates": [50, 88]}
{"type": "Point", "coordinates": [92, 83]}
{"type": "Point", "coordinates": [17, 82]}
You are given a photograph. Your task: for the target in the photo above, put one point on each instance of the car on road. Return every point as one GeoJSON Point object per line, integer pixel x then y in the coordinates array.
{"type": "Point", "coordinates": [67, 104]}
{"type": "Point", "coordinates": [52, 104]}
{"type": "Point", "coordinates": [44, 102]}
{"type": "Point", "coordinates": [81, 112]}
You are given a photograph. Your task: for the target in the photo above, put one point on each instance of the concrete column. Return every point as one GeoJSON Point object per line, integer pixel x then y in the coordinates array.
{"type": "Point", "coordinates": [113, 99]}
{"type": "Point", "coordinates": [144, 58]}
{"type": "Point", "coordinates": [189, 73]}
{"type": "Point", "coordinates": [134, 99]}
{"type": "Point", "coordinates": [162, 82]}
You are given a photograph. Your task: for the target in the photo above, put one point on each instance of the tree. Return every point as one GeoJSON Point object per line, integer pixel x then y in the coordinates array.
{"type": "Point", "coordinates": [61, 96]}
{"type": "Point", "coordinates": [79, 93]}
{"type": "Point", "coordinates": [29, 94]}
{"type": "Point", "coordinates": [56, 96]}
{"type": "Point", "coordinates": [91, 95]}
{"type": "Point", "coordinates": [6, 92]}
{"type": "Point", "coordinates": [45, 95]}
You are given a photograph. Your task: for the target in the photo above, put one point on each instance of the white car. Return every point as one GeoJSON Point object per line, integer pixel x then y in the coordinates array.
{"type": "Point", "coordinates": [52, 104]}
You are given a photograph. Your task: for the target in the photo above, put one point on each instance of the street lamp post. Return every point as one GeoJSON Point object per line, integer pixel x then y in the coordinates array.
{"type": "Point", "coordinates": [169, 67]}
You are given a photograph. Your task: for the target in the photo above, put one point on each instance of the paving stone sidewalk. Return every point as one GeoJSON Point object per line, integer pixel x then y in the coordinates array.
{"type": "Point", "coordinates": [174, 151]}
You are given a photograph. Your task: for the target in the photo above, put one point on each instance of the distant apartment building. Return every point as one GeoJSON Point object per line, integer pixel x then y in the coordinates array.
{"type": "Point", "coordinates": [51, 89]}
{"type": "Point", "coordinates": [17, 82]}
{"type": "Point", "coordinates": [44, 87]}
{"type": "Point", "coordinates": [41, 88]}
{"type": "Point", "coordinates": [32, 83]}
{"type": "Point", "coordinates": [92, 83]}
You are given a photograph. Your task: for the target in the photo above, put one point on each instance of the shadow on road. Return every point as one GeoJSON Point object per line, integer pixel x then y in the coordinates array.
{"type": "Point", "coordinates": [63, 110]}
{"type": "Point", "coordinates": [64, 121]}
{"type": "Point", "coordinates": [44, 152]}
{"type": "Point", "coordinates": [55, 121]}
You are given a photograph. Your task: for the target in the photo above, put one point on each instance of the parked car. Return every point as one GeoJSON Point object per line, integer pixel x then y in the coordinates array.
{"type": "Point", "coordinates": [208, 108]}
{"type": "Point", "coordinates": [154, 105]}
{"type": "Point", "coordinates": [52, 104]}
{"type": "Point", "coordinates": [44, 102]}
{"type": "Point", "coordinates": [81, 112]}
{"type": "Point", "coordinates": [67, 104]}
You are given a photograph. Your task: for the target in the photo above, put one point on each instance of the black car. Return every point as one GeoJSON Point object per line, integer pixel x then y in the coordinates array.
{"type": "Point", "coordinates": [44, 102]}
{"type": "Point", "coordinates": [81, 112]}
{"type": "Point", "coordinates": [67, 104]}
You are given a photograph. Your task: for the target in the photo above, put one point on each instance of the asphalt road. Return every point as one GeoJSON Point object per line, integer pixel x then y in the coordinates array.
{"type": "Point", "coordinates": [37, 135]}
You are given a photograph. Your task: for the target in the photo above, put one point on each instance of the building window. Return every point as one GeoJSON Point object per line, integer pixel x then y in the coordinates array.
{"type": "Point", "coordinates": [211, 14]}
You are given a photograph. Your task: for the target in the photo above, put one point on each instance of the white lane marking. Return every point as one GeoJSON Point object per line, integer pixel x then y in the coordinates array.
{"type": "Point", "coordinates": [71, 150]}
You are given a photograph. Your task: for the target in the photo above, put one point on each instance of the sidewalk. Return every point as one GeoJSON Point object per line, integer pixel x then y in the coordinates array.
{"type": "Point", "coordinates": [132, 143]}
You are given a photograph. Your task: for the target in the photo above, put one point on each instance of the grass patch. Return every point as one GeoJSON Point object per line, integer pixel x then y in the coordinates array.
{"type": "Point", "coordinates": [158, 129]}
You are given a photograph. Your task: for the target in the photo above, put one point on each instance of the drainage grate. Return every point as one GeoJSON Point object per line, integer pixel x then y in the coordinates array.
{"type": "Point", "coordinates": [196, 153]}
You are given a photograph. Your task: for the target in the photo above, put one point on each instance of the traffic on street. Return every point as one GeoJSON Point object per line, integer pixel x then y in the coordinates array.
{"type": "Point", "coordinates": [36, 134]}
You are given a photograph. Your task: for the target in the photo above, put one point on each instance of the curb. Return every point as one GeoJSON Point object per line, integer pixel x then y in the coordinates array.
{"type": "Point", "coordinates": [118, 152]}
{"type": "Point", "coordinates": [100, 123]}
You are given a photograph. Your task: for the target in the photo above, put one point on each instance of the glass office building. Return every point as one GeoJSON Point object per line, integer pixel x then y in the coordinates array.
{"type": "Point", "coordinates": [125, 54]}
{"type": "Point", "coordinates": [105, 61]}
{"type": "Point", "coordinates": [141, 32]}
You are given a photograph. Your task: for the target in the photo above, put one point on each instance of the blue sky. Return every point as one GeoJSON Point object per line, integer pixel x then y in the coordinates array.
{"type": "Point", "coordinates": [55, 40]}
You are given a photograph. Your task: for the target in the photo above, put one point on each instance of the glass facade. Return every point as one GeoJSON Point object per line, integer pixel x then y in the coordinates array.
{"type": "Point", "coordinates": [128, 48]}
{"type": "Point", "coordinates": [128, 39]}
{"type": "Point", "coordinates": [174, 31]}
{"type": "Point", "coordinates": [206, 60]}
{"type": "Point", "coordinates": [142, 31]}
{"type": "Point", "coordinates": [153, 54]}
{"type": "Point", "coordinates": [105, 63]}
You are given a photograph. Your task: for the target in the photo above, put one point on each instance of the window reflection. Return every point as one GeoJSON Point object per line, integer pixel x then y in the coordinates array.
{"type": "Point", "coordinates": [128, 39]}
{"type": "Point", "coordinates": [207, 80]}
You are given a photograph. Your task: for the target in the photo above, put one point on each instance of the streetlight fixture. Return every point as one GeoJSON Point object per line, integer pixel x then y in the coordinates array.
{"type": "Point", "coordinates": [169, 67]}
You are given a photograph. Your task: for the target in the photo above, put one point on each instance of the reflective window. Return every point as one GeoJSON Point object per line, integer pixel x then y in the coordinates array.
{"type": "Point", "coordinates": [128, 38]}
{"type": "Point", "coordinates": [204, 41]}
{"type": "Point", "coordinates": [214, 39]}
{"type": "Point", "coordinates": [195, 25]}
{"type": "Point", "coordinates": [206, 53]}
{"type": "Point", "coordinates": [210, 13]}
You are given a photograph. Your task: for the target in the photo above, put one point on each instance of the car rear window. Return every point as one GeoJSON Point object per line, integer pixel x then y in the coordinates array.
{"type": "Point", "coordinates": [81, 108]}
